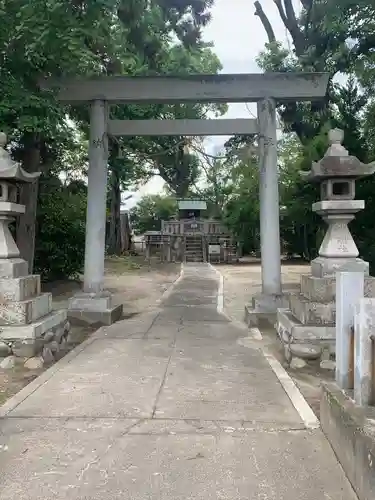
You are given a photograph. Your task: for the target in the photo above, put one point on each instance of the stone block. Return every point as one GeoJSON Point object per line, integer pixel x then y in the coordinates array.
{"type": "Point", "coordinates": [300, 333]}
{"type": "Point", "coordinates": [35, 363]}
{"type": "Point", "coordinates": [33, 330]}
{"type": "Point", "coordinates": [369, 287]}
{"type": "Point", "coordinates": [91, 302]}
{"type": "Point", "coordinates": [349, 289]}
{"type": "Point", "coordinates": [5, 350]}
{"type": "Point", "coordinates": [263, 308]}
{"type": "Point", "coordinates": [25, 311]}
{"type": "Point", "coordinates": [350, 429]}
{"type": "Point", "coordinates": [297, 363]}
{"type": "Point", "coordinates": [324, 289]}
{"type": "Point", "coordinates": [328, 364]}
{"type": "Point", "coordinates": [18, 289]}
{"type": "Point", "coordinates": [364, 327]}
{"type": "Point", "coordinates": [312, 313]}
{"type": "Point", "coordinates": [304, 351]}
{"type": "Point", "coordinates": [27, 348]}
{"type": "Point", "coordinates": [8, 363]}
{"type": "Point", "coordinates": [339, 206]}
{"type": "Point", "coordinates": [106, 317]}
{"type": "Point", "coordinates": [322, 267]}
{"type": "Point", "coordinates": [13, 268]}
{"type": "Point", "coordinates": [318, 289]}
{"type": "Point", "coordinates": [47, 355]}
{"type": "Point", "coordinates": [265, 303]}
{"type": "Point", "coordinates": [256, 318]}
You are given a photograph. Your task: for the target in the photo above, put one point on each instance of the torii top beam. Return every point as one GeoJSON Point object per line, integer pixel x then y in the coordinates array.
{"type": "Point", "coordinates": [193, 88]}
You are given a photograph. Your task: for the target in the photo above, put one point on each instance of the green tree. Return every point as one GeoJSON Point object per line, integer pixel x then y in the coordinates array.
{"type": "Point", "coordinates": [150, 211]}
{"type": "Point", "coordinates": [89, 37]}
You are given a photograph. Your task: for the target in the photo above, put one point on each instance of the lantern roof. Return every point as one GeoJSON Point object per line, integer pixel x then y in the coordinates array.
{"type": "Point", "coordinates": [337, 163]}
{"type": "Point", "coordinates": [10, 169]}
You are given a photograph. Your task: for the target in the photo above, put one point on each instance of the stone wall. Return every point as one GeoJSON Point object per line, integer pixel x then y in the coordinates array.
{"type": "Point", "coordinates": [351, 431]}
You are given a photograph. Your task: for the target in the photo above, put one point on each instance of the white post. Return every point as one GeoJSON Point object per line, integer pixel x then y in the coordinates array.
{"type": "Point", "coordinates": [96, 199]}
{"type": "Point", "coordinates": [269, 199]}
{"type": "Point", "coordinates": [349, 289]}
{"type": "Point", "coordinates": [364, 328]}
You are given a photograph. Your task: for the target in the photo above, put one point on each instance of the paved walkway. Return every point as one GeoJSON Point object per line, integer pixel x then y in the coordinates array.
{"type": "Point", "coordinates": [176, 404]}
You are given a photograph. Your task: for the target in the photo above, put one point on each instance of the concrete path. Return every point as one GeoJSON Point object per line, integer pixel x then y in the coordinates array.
{"type": "Point", "coordinates": [177, 404]}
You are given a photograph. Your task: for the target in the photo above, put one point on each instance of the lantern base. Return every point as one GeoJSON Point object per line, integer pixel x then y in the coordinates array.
{"type": "Point", "coordinates": [13, 268]}
{"type": "Point", "coordinates": [28, 325]}
{"type": "Point", "coordinates": [322, 267]}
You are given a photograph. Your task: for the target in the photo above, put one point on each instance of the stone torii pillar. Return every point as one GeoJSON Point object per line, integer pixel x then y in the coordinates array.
{"type": "Point", "coordinates": [269, 199]}
{"type": "Point", "coordinates": [94, 304]}
{"type": "Point", "coordinates": [96, 199]}
{"type": "Point", "coordinates": [270, 298]}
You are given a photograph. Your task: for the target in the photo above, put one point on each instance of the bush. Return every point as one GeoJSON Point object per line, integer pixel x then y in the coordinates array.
{"type": "Point", "coordinates": [60, 233]}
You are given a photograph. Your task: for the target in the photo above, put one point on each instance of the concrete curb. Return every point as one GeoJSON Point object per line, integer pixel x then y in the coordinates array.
{"type": "Point", "coordinates": [170, 289]}
{"type": "Point", "coordinates": [299, 402]}
{"type": "Point", "coordinates": [220, 291]}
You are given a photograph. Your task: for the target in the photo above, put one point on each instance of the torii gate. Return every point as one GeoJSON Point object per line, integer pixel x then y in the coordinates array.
{"type": "Point", "coordinates": [265, 89]}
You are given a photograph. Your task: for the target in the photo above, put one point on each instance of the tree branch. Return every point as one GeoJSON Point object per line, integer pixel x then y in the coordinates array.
{"type": "Point", "coordinates": [290, 21]}
{"type": "Point", "coordinates": [280, 8]}
{"type": "Point", "coordinates": [307, 4]}
{"type": "Point", "coordinates": [265, 21]}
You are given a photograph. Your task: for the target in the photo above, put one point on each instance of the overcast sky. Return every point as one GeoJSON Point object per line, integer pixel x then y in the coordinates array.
{"type": "Point", "coordinates": [238, 38]}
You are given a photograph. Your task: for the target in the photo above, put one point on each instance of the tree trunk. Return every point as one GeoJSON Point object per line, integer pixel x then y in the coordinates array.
{"type": "Point", "coordinates": [114, 236]}
{"type": "Point", "coordinates": [126, 239]}
{"type": "Point", "coordinates": [28, 196]}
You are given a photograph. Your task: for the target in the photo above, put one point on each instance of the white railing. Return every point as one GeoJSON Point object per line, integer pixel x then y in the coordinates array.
{"type": "Point", "coordinates": [173, 227]}
{"type": "Point", "coordinates": [355, 338]}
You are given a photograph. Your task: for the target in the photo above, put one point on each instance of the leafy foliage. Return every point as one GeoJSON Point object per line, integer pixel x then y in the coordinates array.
{"type": "Point", "coordinates": [150, 211]}
{"type": "Point", "coordinates": [60, 38]}
{"type": "Point", "coordinates": [60, 242]}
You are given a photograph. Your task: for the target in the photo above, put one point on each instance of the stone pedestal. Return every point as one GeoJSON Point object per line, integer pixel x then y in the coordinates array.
{"type": "Point", "coordinates": [264, 307]}
{"type": "Point", "coordinates": [94, 308]}
{"type": "Point", "coordinates": [28, 326]}
{"type": "Point", "coordinates": [309, 317]}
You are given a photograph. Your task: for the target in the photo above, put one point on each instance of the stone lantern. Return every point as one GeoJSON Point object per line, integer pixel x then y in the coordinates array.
{"type": "Point", "coordinates": [307, 327]}
{"type": "Point", "coordinates": [30, 331]}
{"type": "Point", "coordinates": [337, 173]}
{"type": "Point", "coordinates": [11, 174]}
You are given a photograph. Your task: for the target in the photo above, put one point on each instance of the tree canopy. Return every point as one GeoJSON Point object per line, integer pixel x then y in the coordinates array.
{"type": "Point", "coordinates": [57, 38]}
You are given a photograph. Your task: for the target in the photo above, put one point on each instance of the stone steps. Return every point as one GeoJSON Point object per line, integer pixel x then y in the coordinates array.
{"type": "Point", "coordinates": [193, 249]}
